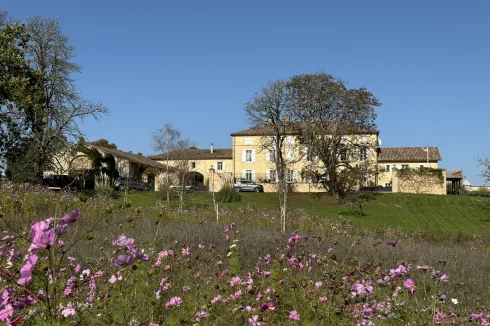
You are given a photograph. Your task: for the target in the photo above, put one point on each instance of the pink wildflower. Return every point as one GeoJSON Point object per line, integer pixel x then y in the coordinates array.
{"type": "Point", "coordinates": [318, 284]}
{"type": "Point", "coordinates": [7, 312]}
{"type": "Point", "coordinates": [42, 236]}
{"type": "Point", "coordinates": [201, 314]}
{"type": "Point", "coordinates": [122, 241]}
{"type": "Point", "coordinates": [216, 299]}
{"type": "Point", "coordinates": [68, 311]}
{"type": "Point", "coordinates": [254, 321]}
{"type": "Point", "coordinates": [409, 284]}
{"type": "Point", "coordinates": [186, 251]}
{"type": "Point", "coordinates": [362, 288]}
{"type": "Point", "coordinates": [323, 299]}
{"type": "Point", "coordinates": [235, 281]}
{"type": "Point", "coordinates": [294, 315]}
{"type": "Point", "coordinates": [175, 301]}
{"type": "Point", "coordinates": [27, 269]}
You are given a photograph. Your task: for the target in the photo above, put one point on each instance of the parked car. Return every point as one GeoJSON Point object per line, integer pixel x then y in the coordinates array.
{"type": "Point", "coordinates": [131, 183]}
{"type": "Point", "coordinates": [59, 181]}
{"type": "Point", "coordinates": [179, 188]}
{"type": "Point", "coordinates": [247, 185]}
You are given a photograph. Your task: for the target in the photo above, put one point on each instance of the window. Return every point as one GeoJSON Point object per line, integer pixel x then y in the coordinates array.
{"type": "Point", "coordinates": [388, 184]}
{"type": "Point", "coordinates": [344, 155]}
{"type": "Point", "coordinates": [249, 141]}
{"type": "Point", "coordinates": [388, 168]}
{"type": "Point", "coordinates": [290, 154]}
{"type": "Point", "coordinates": [219, 166]}
{"type": "Point", "coordinates": [310, 157]}
{"type": "Point", "coordinates": [248, 175]}
{"type": "Point", "coordinates": [272, 176]}
{"type": "Point", "coordinates": [363, 154]}
{"type": "Point", "coordinates": [248, 155]}
{"type": "Point", "coordinates": [290, 176]}
{"type": "Point", "coordinates": [193, 165]}
{"type": "Point", "coordinates": [422, 166]}
{"type": "Point", "coordinates": [270, 156]}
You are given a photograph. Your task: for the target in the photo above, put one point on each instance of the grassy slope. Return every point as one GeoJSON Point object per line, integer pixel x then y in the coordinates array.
{"type": "Point", "coordinates": [439, 214]}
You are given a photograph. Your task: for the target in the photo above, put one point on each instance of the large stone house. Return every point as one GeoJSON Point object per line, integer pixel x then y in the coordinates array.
{"type": "Point", "coordinates": [98, 164]}
{"type": "Point", "coordinates": [250, 158]}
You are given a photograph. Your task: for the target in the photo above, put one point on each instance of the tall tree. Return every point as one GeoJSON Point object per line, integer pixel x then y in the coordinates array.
{"type": "Point", "coordinates": [336, 122]}
{"type": "Point", "coordinates": [61, 106]}
{"type": "Point", "coordinates": [18, 88]}
{"type": "Point", "coordinates": [269, 110]}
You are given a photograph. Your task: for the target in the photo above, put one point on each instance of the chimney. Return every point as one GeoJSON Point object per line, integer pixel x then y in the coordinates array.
{"type": "Point", "coordinates": [285, 118]}
{"type": "Point", "coordinates": [211, 148]}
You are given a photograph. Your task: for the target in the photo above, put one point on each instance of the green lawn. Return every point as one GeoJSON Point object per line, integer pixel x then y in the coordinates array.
{"type": "Point", "coordinates": [438, 214]}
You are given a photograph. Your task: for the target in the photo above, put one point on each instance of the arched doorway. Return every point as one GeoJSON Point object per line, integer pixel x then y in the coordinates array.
{"type": "Point", "coordinates": [150, 175]}
{"type": "Point", "coordinates": [196, 180]}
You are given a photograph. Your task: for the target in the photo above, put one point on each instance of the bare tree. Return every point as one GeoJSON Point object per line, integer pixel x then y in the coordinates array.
{"type": "Point", "coordinates": [181, 162]}
{"type": "Point", "coordinates": [484, 162]}
{"type": "Point", "coordinates": [269, 110]}
{"type": "Point", "coordinates": [61, 107]}
{"type": "Point", "coordinates": [337, 125]}
{"type": "Point", "coordinates": [165, 140]}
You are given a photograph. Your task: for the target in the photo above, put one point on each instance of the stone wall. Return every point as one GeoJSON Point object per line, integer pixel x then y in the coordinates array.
{"type": "Point", "coordinates": [420, 184]}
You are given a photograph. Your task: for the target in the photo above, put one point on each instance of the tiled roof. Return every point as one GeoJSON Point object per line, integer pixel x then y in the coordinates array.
{"type": "Point", "coordinates": [408, 154]}
{"type": "Point", "coordinates": [454, 174]}
{"type": "Point", "coordinates": [197, 154]}
{"type": "Point", "coordinates": [291, 128]}
{"type": "Point", "coordinates": [135, 158]}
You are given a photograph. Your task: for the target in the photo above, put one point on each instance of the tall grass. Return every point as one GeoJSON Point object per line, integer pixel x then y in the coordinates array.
{"type": "Point", "coordinates": [343, 253]}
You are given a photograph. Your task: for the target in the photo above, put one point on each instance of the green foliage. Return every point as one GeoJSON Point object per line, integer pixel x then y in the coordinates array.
{"type": "Point", "coordinates": [485, 193]}
{"type": "Point", "coordinates": [104, 143]}
{"type": "Point", "coordinates": [102, 164]}
{"type": "Point", "coordinates": [227, 194]}
{"type": "Point", "coordinates": [19, 94]}
{"type": "Point", "coordinates": [423, 172]}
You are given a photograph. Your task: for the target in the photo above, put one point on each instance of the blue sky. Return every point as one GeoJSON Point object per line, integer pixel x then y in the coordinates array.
{"type": "Point", "coordinates": [195, 64]}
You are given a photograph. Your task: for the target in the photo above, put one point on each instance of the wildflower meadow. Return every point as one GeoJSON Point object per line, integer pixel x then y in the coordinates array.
{"type": "Point", "coordinates": [96, 262]}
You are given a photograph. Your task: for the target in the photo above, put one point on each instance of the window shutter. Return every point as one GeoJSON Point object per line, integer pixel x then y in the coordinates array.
{"type": "Point", "coordinates": [216, 166]}
{"type": "Point", "coordinates": [253, 175]}
{"type": "Point", "coordinates": [268, 174]}
{"type": "Point", "coordinates": [224, 166]}
{"type": "Point", "coordinates": [253, 155]}
{"type": "Point", "coordinates": [295, 176]}
{"type": "Point", "coordinates": [267, 155]}
{"type": "Point", "coordinates": [244, 174]}
{"type": "Point", "coordinates": [243, 155]}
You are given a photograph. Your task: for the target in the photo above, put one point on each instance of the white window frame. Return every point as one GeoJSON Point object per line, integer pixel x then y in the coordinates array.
{"type": "Point", "coordinates": [220, 166]}
{"type": "Point", "coordinates": [363, 154]}
{"type": "Point", "coordinates": [248, 175]}
{"type": "Point", "coordinates": [248, 155]}
{"type": "Point", "coordinates": [290, 176]}
{"type": "Point", "coordinates": [272, 175]}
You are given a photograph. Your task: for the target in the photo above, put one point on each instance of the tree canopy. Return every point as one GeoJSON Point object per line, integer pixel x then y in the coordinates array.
{"type": "Point", "coordinates": [41, 107]}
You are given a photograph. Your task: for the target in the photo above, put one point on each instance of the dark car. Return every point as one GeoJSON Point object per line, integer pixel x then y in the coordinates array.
{"type": "Point", "coordinates": [247, 185]}
{"type": "Point", "coordinates": [131, 183]}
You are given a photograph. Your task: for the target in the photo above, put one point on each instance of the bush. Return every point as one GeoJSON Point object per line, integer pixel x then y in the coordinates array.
{"type": "Point", "coordinates": [478, 193]}
{"type": "Point", "coordinates": [227, 194]}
